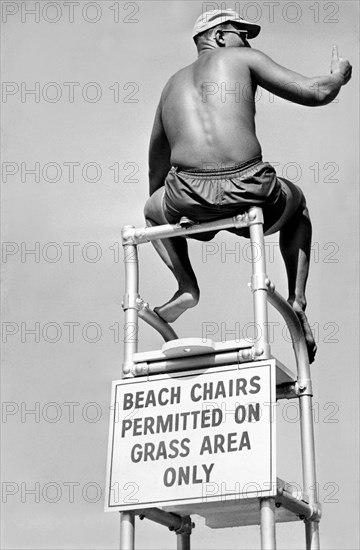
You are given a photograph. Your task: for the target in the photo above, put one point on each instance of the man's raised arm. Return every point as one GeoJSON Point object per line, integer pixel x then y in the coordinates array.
{"type": "Point", "coordinates": [310, 91]}
{"type": "Point", "coordinates": [159, 154]}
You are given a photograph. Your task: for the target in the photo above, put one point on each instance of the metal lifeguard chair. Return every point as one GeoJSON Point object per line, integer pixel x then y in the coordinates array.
{"type": "Point", "coordinates": [183, 365]}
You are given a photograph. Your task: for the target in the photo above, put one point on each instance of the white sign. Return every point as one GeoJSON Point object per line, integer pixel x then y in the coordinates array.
{"type": "Point", "coordinates": [192, 437]}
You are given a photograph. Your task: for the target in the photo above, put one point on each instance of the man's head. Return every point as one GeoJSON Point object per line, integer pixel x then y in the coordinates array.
{"type": "Point", "coordinates": [223, 28]}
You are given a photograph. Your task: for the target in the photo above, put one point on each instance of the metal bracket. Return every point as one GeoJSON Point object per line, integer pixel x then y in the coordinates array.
{"type": "Point", "coordinates": [142, 304]}
{"type": "Point", "coordinates": [241, 220]}
{"type": "Point", "coordinates": [186, 526]}
{"type": "Point", "coordinates": [132, 236]}
{"type": "Point", "coordinates": [141, 369]}
{"type": "Point", "coordinates": [186, 222]}
{"type": "Point", "coordinates": [304, 387]}
{"type": "Point", "coordinates": [264, 351]}
{"type": "Point", "coordinates": [317, 513]}
{"type": "Point", "coordinates": [261, 282]}
{"type": "Point", "coordinates": [128, 370]}
{"type": "Point", "coordinates": [245, 355]}
{"type": "Point", "coordinates": [132, 301]}
{"type": "Point", "coordinates": [294, 389]}
{"type": "Point", "coordinates": [255, 216]}
{"type": "Point", "coordinates": [249, 354]}
{"type": "Point", "coordinates": [127, 234]}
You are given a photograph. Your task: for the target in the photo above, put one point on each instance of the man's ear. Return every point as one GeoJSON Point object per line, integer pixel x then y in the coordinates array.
{"type": "Point", "coordinates": [219, 38]}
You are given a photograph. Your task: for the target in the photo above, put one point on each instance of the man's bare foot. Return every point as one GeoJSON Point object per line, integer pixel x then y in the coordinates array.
{"type": "Point", "coordinates": [180, 302]}
{"type": "Point", "coordinates": [309, 337]}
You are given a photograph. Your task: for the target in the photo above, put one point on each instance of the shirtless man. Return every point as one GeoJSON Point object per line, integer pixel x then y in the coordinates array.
{"type": "Point", "coordinates": [205, 159]}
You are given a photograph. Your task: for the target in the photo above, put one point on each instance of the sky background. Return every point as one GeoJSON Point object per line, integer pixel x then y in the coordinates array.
{"type": "Point", "coordinates": [118, 56]}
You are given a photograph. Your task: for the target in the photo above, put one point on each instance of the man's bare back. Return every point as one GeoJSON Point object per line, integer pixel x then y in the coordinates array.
{"type": "Point", "coordinates": [208, 111]}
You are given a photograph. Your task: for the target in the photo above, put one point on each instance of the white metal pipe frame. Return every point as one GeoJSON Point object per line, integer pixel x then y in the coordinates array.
{"type": "Point", "coordinates": [263, 290]}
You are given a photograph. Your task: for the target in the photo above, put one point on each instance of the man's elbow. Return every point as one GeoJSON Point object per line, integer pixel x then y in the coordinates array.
{"type": "Point", "coordinates": [320, 94]}
{"type": "Point", "coordinates": [324, 97]}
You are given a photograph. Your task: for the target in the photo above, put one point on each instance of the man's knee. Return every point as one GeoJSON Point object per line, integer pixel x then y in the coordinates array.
{"type": "Point", "coordinates": [295, 198]}
{"type": "Point", "coordinates": [153, 209]}
{"type": "Point", "coordinates": [153, 205]}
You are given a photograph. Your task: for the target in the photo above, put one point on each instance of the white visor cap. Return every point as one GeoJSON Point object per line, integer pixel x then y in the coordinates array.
{"type": "Point", "coordinates": [210, 19]}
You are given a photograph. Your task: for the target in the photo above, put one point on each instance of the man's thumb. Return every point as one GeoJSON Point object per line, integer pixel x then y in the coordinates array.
{"type": "Point", "coordinates": [335, 53]}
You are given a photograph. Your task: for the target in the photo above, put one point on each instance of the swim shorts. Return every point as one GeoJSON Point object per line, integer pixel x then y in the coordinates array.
{"type": "Point", "coordinates": [208, 195]}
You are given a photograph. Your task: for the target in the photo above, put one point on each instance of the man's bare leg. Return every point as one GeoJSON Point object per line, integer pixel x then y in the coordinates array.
{"type": "Point", "coordinates": [174, 252]}
{"type": "Point", "coordinates": [295, 244]}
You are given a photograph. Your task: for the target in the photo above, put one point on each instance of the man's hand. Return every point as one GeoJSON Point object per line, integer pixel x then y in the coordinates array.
{"type": "Point", "coordinates": [340, 67]}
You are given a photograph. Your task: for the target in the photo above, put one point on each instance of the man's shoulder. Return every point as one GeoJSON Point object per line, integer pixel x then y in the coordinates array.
{"type": "Point", "coordinates": [229, 62]}
{"type": "Point", "coordinates": [234, 58]}
{"type": "Point", "coordinates": [180, 75]}
{"type": "Point", "coordinates": [181, 72]}
{"type": "Point", "coordinates": [245, 55]}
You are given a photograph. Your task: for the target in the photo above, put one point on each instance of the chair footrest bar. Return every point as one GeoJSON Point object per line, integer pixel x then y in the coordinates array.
{"type": "Point", "coordinates": [150, 317]}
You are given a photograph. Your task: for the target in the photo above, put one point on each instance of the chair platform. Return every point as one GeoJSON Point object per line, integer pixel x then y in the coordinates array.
{"type": "Point", "coordinates": [192, 347]}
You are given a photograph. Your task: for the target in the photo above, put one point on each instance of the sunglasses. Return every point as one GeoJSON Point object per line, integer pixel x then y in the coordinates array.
{"type": "Point", "coordinates": [239, 33]}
